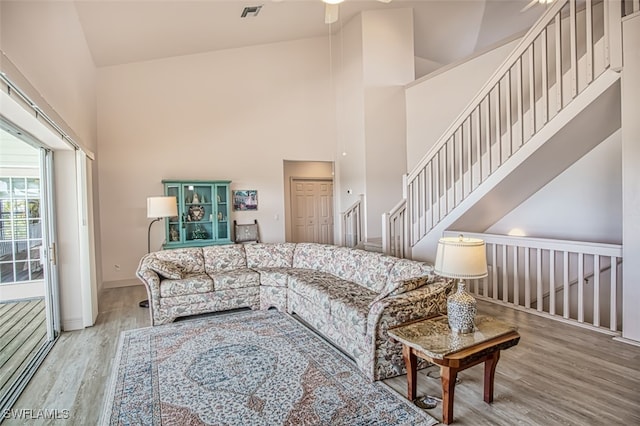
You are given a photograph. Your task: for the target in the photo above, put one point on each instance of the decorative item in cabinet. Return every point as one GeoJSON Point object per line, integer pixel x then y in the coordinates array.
{"type": "Point", "coordinates": [174, 235]}
{"type": "Point", "coordinates": [203, 212]}
{"type": "Point", "coordinates": [196, 213]}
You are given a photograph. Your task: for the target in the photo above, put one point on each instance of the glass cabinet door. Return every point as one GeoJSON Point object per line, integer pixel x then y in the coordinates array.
{"type": "Point", "coordinates": [174, 227]}
{"type": "Point", "coordinates": [199, 212]}
{"type": "Point", "coordinates": [222, 208]}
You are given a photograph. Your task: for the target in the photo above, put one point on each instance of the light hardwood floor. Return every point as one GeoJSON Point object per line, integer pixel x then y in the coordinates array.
{"type": "Point", "coordinates": [557, 375]}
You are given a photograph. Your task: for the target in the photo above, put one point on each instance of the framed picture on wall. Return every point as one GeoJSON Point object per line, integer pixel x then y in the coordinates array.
{"type": "Point", "coordinates": [246, 199]}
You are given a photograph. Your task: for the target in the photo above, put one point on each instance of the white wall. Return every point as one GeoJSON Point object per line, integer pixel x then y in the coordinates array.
{"type": "Point", "coordinates": [233, 114]}
{"type": "Point", "coordinates": [387, 45]}
{"type": "Point", "coordinates": [388, 54]}
{"type": "Point", "coordinates": [347, 50]}
{"type": "Point", "coordinates": [385, 153]}
{"type": "Point", "coordinates": [47, 56]}
{"type": "Point", "coordinates": [425, 66]}
{"type": "Point", "coordinates": [373, 62]}
{"type": "Point", "coordinates": [584, 203]}
{"type": "Point", "coordinates": [436, 100]}
{"type": "Point", "coordinates": [631, 178]}
{"type": "Point", "coordinates": [45, 41]}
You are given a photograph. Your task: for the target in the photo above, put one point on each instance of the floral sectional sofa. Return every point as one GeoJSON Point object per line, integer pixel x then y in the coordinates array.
{"type": "Point", "coordinates": [350, 296]}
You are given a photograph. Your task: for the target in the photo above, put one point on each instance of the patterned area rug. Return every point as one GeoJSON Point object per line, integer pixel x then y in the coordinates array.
{"type": "Point", "coordinates": [244, 368]}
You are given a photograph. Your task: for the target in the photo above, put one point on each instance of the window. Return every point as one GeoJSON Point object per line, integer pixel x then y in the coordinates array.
{"type": "Point", "coordinates": [20, 230]}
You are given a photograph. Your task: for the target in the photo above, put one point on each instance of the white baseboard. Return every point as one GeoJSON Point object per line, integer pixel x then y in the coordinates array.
{"type": "Point", "coordinates": [72, 324]}
{"type": "Point", "coordinates": [628, 341]}
{"type": "Point", "coordinates": [121, 283]}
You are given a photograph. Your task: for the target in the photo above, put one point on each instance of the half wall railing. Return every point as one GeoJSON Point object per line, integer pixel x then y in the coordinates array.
{"type": "Point", "coordinates": [562, 54]}
{"type": "Point", "coordinates": [575, 282]}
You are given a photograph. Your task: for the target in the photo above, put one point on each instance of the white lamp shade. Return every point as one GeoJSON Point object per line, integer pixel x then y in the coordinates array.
{"type": "Point", "coordinates": [162, 207]}
{"type": "Point", "coordinates": [459, 257]}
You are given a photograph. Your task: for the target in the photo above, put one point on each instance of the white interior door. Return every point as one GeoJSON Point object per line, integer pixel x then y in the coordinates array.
{"type": "Point", "coordinates": [312, 210]}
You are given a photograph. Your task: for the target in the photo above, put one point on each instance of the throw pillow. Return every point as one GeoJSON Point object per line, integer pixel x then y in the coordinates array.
{"type": "Point", "coordinates": [166, 269]}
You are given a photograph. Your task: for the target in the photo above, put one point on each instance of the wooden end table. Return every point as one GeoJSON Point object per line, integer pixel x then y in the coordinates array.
{"type": "Point", "coordinates": [432, 340]}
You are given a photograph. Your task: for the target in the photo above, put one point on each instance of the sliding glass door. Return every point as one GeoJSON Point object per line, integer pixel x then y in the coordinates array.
{"type": "Point", "coordinates": [29, 319]}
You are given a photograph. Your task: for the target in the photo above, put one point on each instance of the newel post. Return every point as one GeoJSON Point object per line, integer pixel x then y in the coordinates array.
{"type": "Point", "coordinates": [613, 29]}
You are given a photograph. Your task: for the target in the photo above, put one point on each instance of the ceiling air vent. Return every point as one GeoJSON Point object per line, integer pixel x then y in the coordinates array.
{"type": "Point", "coordinates": [250, 11]}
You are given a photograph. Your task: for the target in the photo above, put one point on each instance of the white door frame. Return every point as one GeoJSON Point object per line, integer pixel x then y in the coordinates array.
{"type": "Point", "coordinates": [49, 260]}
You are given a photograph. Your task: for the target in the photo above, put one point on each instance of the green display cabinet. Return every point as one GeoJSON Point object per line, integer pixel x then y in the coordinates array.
{"type": "Point", "coordinates": [203, 213]}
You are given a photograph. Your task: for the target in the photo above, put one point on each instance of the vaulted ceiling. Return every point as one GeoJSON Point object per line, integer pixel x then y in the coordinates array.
{"type": "Point", "coordinates": [120, 32]}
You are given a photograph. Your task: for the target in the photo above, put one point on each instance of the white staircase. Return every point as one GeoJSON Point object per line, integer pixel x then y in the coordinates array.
{"type": "Point", "coordinates": [528, 123]}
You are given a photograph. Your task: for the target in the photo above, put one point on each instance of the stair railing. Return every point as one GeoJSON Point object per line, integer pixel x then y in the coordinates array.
{"type": "Point", "coordinates": [629, 7]}
{"type": "Point", "coordinates": [570, 281]}
{"type": "Point", "coordinates": [516, 102]}
{"type": "Point", "coordinates": [394, 230]}
{"type": "Point", "coordinates": [352, 229]}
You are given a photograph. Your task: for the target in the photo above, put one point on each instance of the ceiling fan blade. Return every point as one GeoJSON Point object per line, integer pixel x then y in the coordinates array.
{"type": "Point", "coordinates": [331, 12]}
{"type": "Point", "coordinates": [530, 5]}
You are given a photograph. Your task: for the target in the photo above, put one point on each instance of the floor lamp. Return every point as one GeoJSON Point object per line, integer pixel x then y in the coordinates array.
{"type": "Point", "coordinates": [157, 209]}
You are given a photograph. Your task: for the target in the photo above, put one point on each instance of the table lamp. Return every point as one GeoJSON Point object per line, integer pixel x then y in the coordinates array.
{"type": "Point", "coordinates": [462, 258]}
{"type": "Point", "coordinates": [158, 208]}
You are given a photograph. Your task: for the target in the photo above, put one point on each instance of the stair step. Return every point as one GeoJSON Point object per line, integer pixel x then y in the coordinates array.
{"type": "Point", "coordinates": [373, 244]}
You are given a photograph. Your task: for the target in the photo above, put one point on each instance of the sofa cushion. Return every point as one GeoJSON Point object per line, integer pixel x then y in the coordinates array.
{"type": "Point", "coordinates": [278, 255]}
{"type": "Point", "coordinates": [273, 277]}
{"type": "Point", "coordinates": [237, 278]}
{"type": "Point", "coordinates": [224, 258]}
{"type": "Point", "coordinates": [190, 284]}
{"type": "Point", "coordinates": [166, 269]}
{"type": "Point", "coordinates": [404, 269]}
{"type": "Point", "coordinates": [369, 269]}
{"type": "Point", "coordinates": [314, 286]}
{"type": "Point", "coordinates": [222, 300]}
{"type": "Point", "coordinates": [317, 257]}
{"type": "Point", "coordinates": [406, 275]}
{"type": "Point", "coordinates": [190, 259]}
{"type": "Point", "coordinates": [405, 286]}
{"type": "Point", "coordinates": [346, 302]}
{"type": "Point", "coordinates": [349, 309]}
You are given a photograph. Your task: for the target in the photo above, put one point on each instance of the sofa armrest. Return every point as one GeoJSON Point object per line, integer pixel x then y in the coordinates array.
{"type": "Point", "coordinates": [392, 311]}
{"type": "Point", "coordinates": [418, 303]}
{"type": "Point", "coordinates": [151, 281]}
